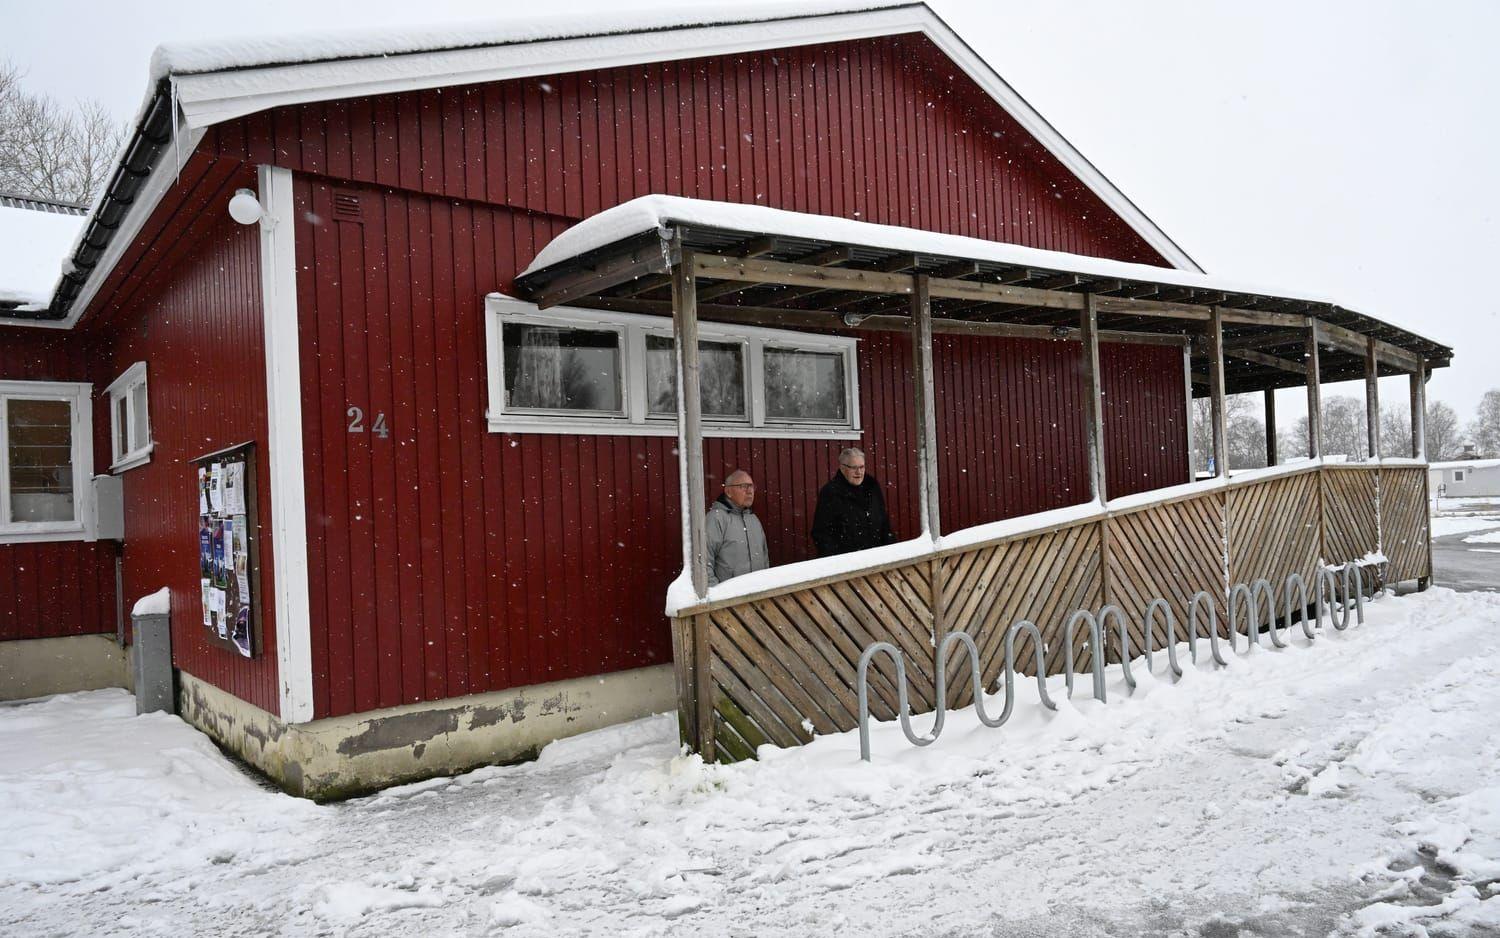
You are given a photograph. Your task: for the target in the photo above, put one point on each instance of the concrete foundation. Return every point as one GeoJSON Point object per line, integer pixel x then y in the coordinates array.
{"type": "Point", "coordinates": [36, 667]}
{"type": "Point", "coordinates": [344, 756]}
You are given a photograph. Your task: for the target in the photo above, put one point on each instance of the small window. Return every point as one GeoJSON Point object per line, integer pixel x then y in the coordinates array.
{"type": "Point", "coordinates": [721, 368]}
{"type": "Point", "coordinates": [587, 371]}
{"type": "Point", "coordinates": [805, 385]}
{"type": "Point", "coordinates": [1458, 475]}
{"type": "Point", "coordinates": [45, 453]}
{"type": "Point", "coordinates": [130, 419]}
{"type": "Point", "coordinates": [549, 368]}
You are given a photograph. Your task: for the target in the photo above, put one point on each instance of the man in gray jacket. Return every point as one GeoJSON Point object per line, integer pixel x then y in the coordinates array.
{"type": "Point", "coordinates": [736, 541]}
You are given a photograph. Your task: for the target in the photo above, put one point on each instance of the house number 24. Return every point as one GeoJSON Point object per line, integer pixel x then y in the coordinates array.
{"type": "Point", "coordinates": [357, 423]}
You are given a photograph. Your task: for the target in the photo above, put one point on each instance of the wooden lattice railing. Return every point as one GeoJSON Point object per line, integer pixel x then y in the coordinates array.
{"type": "Point", "coordinates": [779, 666]}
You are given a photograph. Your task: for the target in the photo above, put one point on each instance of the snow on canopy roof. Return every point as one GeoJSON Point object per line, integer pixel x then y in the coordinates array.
{"type": "Point", "coordinates": [662, 211]}
{"type": "Point", "coordinates": [191, 57]}
{"type": "Point", "coordinates": [33, 246]}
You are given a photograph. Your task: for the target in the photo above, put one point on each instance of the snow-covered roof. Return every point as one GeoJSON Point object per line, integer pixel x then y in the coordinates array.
{"type": "Point", "coordinates": [238, 52]}
{"type": "Point", "coordinates": [212, 82]}
{"type": "Point", "coordinates": [33, 246]}
{"type": "Point", "coordinates": [1466, 464]}
{"type": "Point", "coordinates": [653, 212]}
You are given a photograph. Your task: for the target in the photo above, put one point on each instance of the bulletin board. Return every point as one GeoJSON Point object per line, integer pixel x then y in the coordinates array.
{"type": "Point", "coordinates": [229, 550]}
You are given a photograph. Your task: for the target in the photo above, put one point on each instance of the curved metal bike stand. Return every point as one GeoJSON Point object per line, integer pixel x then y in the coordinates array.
{"type": "Point", "coordinates": [1332, 589]}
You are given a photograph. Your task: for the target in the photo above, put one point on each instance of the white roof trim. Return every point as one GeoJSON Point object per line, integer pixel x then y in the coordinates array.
{"type": "Point", "coordinates": [213, 97]}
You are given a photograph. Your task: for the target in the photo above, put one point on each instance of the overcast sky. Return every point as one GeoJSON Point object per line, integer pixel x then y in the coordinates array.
{"type": "Point", "coordinates": [1348, 148]}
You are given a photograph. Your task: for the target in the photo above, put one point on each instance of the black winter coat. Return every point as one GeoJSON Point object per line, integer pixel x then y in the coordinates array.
{"type": "Point", "coordinates": [850, 517]}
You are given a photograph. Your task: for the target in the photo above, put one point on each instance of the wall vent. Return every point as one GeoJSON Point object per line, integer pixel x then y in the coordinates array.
{"type": "Point", "coordinates": [346, 207]}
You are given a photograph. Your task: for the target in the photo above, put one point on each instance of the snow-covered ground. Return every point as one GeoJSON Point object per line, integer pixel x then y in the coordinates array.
{"type": "Point", "coordinates": [1463, 515]}
{"type": "Point", "coordinates": [1344, 787]}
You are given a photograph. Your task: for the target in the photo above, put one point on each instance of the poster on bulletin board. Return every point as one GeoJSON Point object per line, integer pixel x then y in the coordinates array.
{"type": "Point", "coordinates": [228, 549]}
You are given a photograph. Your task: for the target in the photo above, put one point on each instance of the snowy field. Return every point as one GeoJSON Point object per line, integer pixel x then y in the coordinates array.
{"type": "Point", "coordinates": [1348, 787]}
{"type": "Point", "coordinates": [1465, 515]}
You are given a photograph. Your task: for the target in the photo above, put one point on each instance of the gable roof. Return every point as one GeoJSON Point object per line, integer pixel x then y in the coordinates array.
{"type": "Point", "coordinates": [197, 85]}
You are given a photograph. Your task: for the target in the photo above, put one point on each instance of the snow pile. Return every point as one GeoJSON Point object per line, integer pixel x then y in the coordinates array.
{"type": "Point", "coordinates": [96, 797]}
{"type": "Point", "coordinates": [1489, 537]}
{"type": "Point", "coordinates": [1442, 526]}
{"type": "Point", "coordinates": [158, 603]}
{"type": "Point", "coordinates": [33, 246]}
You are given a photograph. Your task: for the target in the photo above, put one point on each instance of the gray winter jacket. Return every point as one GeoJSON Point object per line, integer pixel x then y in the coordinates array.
{"type": "Point", "coordinates": [736, 542]}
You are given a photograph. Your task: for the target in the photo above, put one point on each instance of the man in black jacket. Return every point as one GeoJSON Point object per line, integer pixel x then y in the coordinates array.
{"type": "Point", "coordinates": [851, 510]}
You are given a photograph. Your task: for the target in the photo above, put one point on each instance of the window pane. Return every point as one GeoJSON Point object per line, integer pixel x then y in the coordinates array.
{"type": "Point", "coordinates": [805, 386]}
{"type": "Point", "coordinates": [557, 368]}
{"type": "Point", "coordinates": [40, 451]}
{"type": "Point", "coordinates": [140, 430]}
{"type": "Point", "coordinates": [122, 427]}
{"type": "Point", "coordinates": [721, 377]}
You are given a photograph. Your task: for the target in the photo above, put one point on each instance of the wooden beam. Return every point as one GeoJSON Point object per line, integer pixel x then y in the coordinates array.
{"type": "Point", "coordinates": [690, 425]}
{"type": "Point", "coordinates": [815, 319]}
{"type": "Point", "coordinates": [1271, 361]}
{"type": "Point", "coordinates": [1093, 401]}
{"type": "Point", "coordinates": [653, 257]}
{"type": "Point", "coordinates": [1357, 343]}
{"type": "Point", "coordinates": [1419, 414]}
{"type": "Point", "coordinates": [1271, 455]}
{"type": "Point", "coordinates": [1372, 398]}
{"type": "Point", "coordinates": [1135, 307]}
{"type": "Point", "coordinates": [1314, 392]}
{"type": "Point", "coordinates": [1260, 340]}
{"type": "Point", "coordinates": [1253, 317]}
{"type": "Point", "coordinates": [1216, 392]}
{"type": "Point", "coordinates": [755, 270]}
{"type": "Point", "coordinates": [926, 406]}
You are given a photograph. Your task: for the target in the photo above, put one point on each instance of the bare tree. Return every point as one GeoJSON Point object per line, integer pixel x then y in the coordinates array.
{"type": "Point", "coordinates": [1343, 430]}
{"type": "Point", "coordinates": [1442, 432]}
{"type": "Point", "coordinates": [50, 151]}
{"type": "Point", "coordinates": [1395, 431]}
{"type": "Point", "coordinates": [1245, 432]}
{"type": "Point", "coordinates": [1484, 432]}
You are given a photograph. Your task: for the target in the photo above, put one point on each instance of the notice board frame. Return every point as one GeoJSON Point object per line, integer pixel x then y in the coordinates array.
{"type": "Point", "coordinates": [240, 452]}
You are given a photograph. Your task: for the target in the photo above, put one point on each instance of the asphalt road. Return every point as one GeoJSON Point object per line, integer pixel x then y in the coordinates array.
{"type": "Point", "coordinates": [1465, 567]}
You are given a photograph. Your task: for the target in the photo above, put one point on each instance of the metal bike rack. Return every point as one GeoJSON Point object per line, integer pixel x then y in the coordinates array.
{"type": "Point", "coordinates": [1332, 599]}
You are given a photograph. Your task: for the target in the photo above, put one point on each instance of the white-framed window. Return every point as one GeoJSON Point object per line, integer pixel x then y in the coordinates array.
{"type": "Point", "coordinates": [46, 460]}
{"type": "Point", "coordinates": [566, 370]}
{"type": "Point", "coordinates": [130, 419]}
{"type": "Point", "coordinates": [1458, 475]}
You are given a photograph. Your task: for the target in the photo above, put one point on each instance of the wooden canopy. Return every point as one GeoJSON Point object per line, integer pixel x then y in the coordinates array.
{"type": "Point", "coordinates": [805, 282]}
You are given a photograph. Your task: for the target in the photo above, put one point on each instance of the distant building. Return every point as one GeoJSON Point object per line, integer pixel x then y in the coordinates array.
{"type": "Point", "coordinates": [1465, 478]}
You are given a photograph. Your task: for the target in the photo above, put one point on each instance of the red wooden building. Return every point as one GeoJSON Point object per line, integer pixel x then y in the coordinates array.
{"type": "Point", "coordinates": [443, 552]}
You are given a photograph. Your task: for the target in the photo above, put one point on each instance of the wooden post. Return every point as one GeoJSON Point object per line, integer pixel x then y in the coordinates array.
{"type": "Point", "coordinates": [921, 349]}
{"type": "Point", "coordinates": [1271, 455]}
{"type": "Point", "coordinates": [1314, 394]}
{"type": "Point", "coordinates": [1419, 413]}
{"type": "Point", "coordinates": [708, 743]}
{"type": "Point", "coordinates": [1187, 396]}
{"type": "Point", "coordinates": [1372, 399]}
{"type": "Point", "coordinates": [1093, 402]}
{"type": "Point", "coordinates": [689, 422]}
{"type": "Point", "coordinates": [1216, 390]}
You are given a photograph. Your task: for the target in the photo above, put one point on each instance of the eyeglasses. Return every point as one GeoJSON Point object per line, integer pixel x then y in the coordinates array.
{"type": "Point", "coordinates": [739, 485]}
{"type": "Point", "coordinates": [852, 468]}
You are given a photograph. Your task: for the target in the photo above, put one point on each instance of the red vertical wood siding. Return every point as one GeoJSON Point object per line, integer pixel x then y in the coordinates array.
{"type": "Point", "coordinates": [56, 588]}
{"type": "Point", "coordinates": [1145, 417]}
{"type": "Point", "coordinates": [448, 560]}
{"type": "Point", "coordinates": [194, 316]}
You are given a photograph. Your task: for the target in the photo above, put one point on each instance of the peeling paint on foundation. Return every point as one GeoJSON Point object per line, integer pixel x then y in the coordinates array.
{"type": "Point", "coordinates": [403, 729]}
